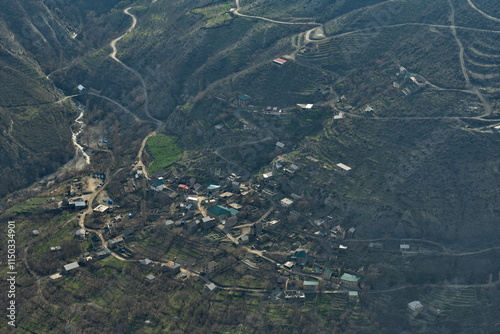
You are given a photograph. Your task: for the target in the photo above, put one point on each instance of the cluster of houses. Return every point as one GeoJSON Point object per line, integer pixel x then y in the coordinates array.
{"type": "Point", "coordinates": [225, 205]}
{"type": "Point", "coordinates": [274, 111]}
{"type": "Point", "coordinates": [316, 276]}
{"type": "Point", "coordinates": [219, 205]}
{"type": "Point", "coordinates": [75, 197]}
{"type": "Point", "coordinates": [409, 83]}
{"type": "Point", "coordinates": [203, 207]}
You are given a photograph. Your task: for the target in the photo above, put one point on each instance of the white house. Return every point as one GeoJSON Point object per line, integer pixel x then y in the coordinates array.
{"type": "Point", "coordinates": [415, 307]}
{"type": "Point", "coordinates": [80, 204]}
{"type": "Point", "coordinates": [267, 175]}
{"type": "Point", "coordinates": [286, 202]}
{"type": "Point", "coordinates": [101, 208]}
{"type": "Point", "coordinates": [342, 169]}
{"type": "Point", "coordinates": [71, 266]}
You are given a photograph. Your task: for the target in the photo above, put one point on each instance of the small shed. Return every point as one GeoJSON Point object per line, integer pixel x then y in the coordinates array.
{"type": "Point", "coordinates": [71, 266]}
{"type": "Point", "coordinates": [286, 202]}
{"type": "Point", "coordinates": [101, 208]}
{"type": "Point", "coordinates": [310, 285]}
{"type": "Point", "coordinates": [55, 276]}
{"type": "Point", "coordinates": [342, 169]}
{"type": "Point", "coordinates": [353, 296]}
{"type": "Point", "coordinates": [404, 247]}
{"type": "Point", "coordinates": [80, 233]}
{"type": "Point", "coordinates": [279, 61]}
{"type": "Point", "coordinates": [244, 239]}
{"type": "Point", "coordinates": [415, 307]}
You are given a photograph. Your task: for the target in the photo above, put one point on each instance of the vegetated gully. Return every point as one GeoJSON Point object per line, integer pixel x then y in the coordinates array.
{"type": "Point", "coordinates": [79, 149]}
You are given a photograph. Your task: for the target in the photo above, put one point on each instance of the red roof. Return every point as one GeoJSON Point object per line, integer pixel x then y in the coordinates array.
{"type": "Point", "coordinates": [280, 60]}
{"type": "Point", "coordinates": [183, 186]}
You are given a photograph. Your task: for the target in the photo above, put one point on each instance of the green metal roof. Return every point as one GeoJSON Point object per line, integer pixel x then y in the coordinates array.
{"type": "Point", "coordinates": [233, 211]}
{"type": "Point", "coordinates": [244, 97]}
{"type": "Point", "coordinates": [158, 183]}
{"type": "Point", "coordinates": [301, 254]}
{"type": "Point", "coordinates": [349, 278]}
{"type": "Point", "coordinates": [218, 210]}
{"type": "Point", "coordinates": [311, 283]}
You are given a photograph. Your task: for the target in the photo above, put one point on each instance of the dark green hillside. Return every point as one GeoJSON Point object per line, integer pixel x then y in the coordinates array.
{"type": "Point", "coordinates": [322, 10]}
{"type": "Point", "coordinates": [35, 138]}
{"type": "Point", "coordinates": [35, 141]}
{"type": "Point", "coordinates": [420, 178]}
{"type": "Point", "coordinates": [284, 86]}
{"type": "Point", "coordinates": [24, 85]}
{"type": "Point", "coordinates": [349, 187]}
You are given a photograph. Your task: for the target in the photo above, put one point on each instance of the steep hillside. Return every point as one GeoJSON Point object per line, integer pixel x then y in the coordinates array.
{"type": "Point", "coordinates": [39, 38]}
{"type": "Point", "coordinates": [35, 137]}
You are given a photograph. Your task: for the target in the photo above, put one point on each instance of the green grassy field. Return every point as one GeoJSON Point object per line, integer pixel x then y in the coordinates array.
{"type": "Point", "coordinates": [32, 205]}
{"type": "Point", "coordinates": [215, 15]}
{"type": "Point", "coordinates": [165, 151]}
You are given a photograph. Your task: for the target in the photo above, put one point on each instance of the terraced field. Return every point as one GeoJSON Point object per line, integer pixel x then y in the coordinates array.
{"type": "Point", "coordinates": [451, 301]}
{"type": "Point", "coordinates": [467, 306]}
{"type": "Point", "coordinates": [482, 60]}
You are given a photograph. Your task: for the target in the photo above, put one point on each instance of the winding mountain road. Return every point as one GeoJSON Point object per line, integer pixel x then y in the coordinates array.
{"type": "Point", "coordinates": [489, 17]}
{"type": "Point", "coordinates": [112, 44]}
{"type": "Point", "coordinates": [159, 124]}
{"type": "Point", "coordinates": [139, 163]}
{"type": "Point", "coordinates": [487, 106]}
